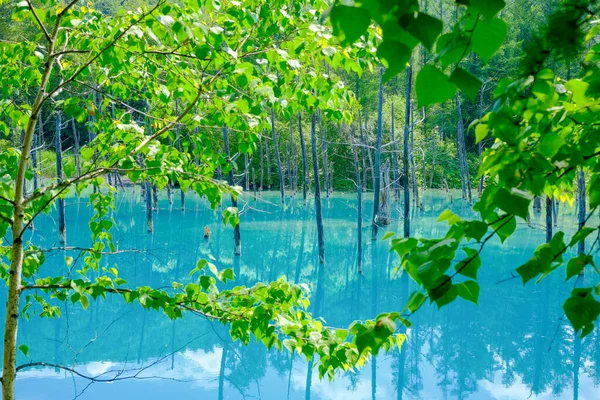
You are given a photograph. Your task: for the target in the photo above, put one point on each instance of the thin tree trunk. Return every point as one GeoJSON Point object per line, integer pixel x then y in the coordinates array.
{"type": "Point", "coordinates": [377, 183]}
{"type": "Point", "coordinates": [262, 165]}
{"type": "Point", "coordinates": [179, 147]}
{"type": "Point", "coordinates": [582, 208]}
{"type": "Point", "coordinates": [40, 143]}
{"type": "Point", "coordinates": [292, 164]}
{"type": "Point", "coordinates": [237, 242]}
{"type": "Point", "coordinates": [359, 190]}
{"type": "Point", "coordinates": [384, 198]}
{"type": "Point", "coordinates": [154, 197]}
{"type": "Point", "coordinates": [62, 227]}
{"type": "Point", "coordinates": [277, 158]}
{"type": "Point", "coordinates": [34, 164]}
{"type": "Point", "coordinates": [537, 204]}
{"type": "Point", "coordinates": [480, 145]}
{"type": "Point", "coordinates": [548, 219]}
{"type": "Point", "coordinates": [323, 134]}
{"type": "Point", "coordinates": [395, 169]}
{"type": "Point", "coordinates": [11, 325]}
{"type": "Point", "coordinates": [362, 152]}
{"type": "Point", "coordinates": [289, 167]}
{"type": "Point", "coordinates": [246, 173]}
{"type": "Point", "coordinates": [267, 151]}
{"type": "Point", "coordinates": [464, 167]}
{"type": "Point", "coordinates": [76, 156]}
{"type": "Point", "coordinates": [406, 145]}
{"type": "Point", "coordinates": [319, 211]}
{"type": "Point", "coordinates": [366, 144]}
{"type": "Point", "coordinates": [433, 151]}
{"type": "Point", "coordinates": [304, 158]}
{"type": "Point", "coordinates": [413, 168]}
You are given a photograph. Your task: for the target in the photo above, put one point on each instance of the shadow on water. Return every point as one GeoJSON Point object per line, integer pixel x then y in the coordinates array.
{"type": "Point", "coordinates": [514, 345]}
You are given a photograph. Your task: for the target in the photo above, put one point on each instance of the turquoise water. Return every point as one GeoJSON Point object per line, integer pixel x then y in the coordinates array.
{"type": "Point", "coordinates": [514, 345]}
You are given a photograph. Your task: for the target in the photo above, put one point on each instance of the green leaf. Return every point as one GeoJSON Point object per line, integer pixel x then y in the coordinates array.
{"type": "Point", "coordinates": [505, 227]}
{"type": "Point", "coordinates": [24, 349]}
{"type": "Point", "coordinates": [449, 216]}
{"type": "Point", "coordinates": [468, 83]}
{"type": "Point", "coordinates": [469, 291]}
{"type": "Point", "coordinates": [433, 86]}
{"type": "Point", "coordinates": [481, 132]}
{"type": "Point", "coordinates": [576, 265]}
{"type": "Point", "coordinates": [388, 235]}
{"type": "Point", "coordinates": [582, 309]}
{"type": "Point", "coordinates": [488, 37]}
{"type": "Point", "coordinates": [404, 246]}
{"type": "Point", "coordinates": [415, 301]}
{"type": "Point", "coordinates": [384, 327]}
{"type": "Point", "coordinates": [469, 269]}
{"type": "Point", "coordinates": [513, 202]}
{"type": "Point", "coordinates": [394, 56]}
{"type": "Point", "coordinates": [422, 26]}
{"type": "Point", "coordinates": [581, 235]}
{"type": "Point", "coordinates": [488, 8]}
{"type": "Point", "coordinates": [349, 23]}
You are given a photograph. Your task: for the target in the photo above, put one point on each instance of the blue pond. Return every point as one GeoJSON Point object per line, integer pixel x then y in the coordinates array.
{"type": "Point", "coordinates": [514, 345]}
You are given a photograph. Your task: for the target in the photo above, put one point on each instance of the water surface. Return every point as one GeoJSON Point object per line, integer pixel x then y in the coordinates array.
{"type": "Point", "coordinates": [514, 345]}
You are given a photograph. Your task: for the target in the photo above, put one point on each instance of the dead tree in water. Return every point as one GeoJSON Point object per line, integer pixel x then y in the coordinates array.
{"type": "Point", "coordinates": [405, 156]}
{"type": "Point", "coordinates": [384, 197]}
{"type": "Point", "coordinates": [359, 191]}
{"type": "Point", "coordinates": [304, 158]}
{"type": "Point", "coordinates": [62, 227]}
{"type": "Point", "coordinates": [277, 158]}
{"type": "Point", "coordinates": [319, 211]}
{"type": "Point", "coordinates": [395, 170]}
{"type": "Point", "coordinates": [377, 166]}
{"type": "Point", "coordinates": [465, 178]}
{"type": "Point", "coordinates": [323, 134]}
{"type": "Point", "coordinates": [179, 147]}
{"type": "Point", "coordinates": [237, 242]}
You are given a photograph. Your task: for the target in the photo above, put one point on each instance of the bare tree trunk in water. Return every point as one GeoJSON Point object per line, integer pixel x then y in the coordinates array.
{"type": "Point", "coordinates": [465, 179]}
{"type": "Point", "coordinates": [548, 219]}
{"type": "Point", "coordinates": [319, 211]}
{"type": "Point", "coordinates": [293, 185]}
{"type": "Point", "coordinates": [289, 167]}
{"type": "Point", "coordinates": [537, 204]}
{"type": "Point", "coordinates": [384, 198]}
{"type": "Point", "coordinates": [395, 159]}
{"type": "Point", "coordinates": [433, 151]}
{"type": "Point", "coordinates": [323, 134]}
{"type": "Point", "coordinates": [262, 165]}
{"type": "Point", "coordinates": [406, 145]}
{"type": "Point", "coordinates": [413, 168]}
{"type": "Point", "coordinates": [237, 242]}
{"type": "Point", "coordinates": [480, 145]}
{"type": "Point", "coordinates": [62, 227]}
{"type": "Point", "coordinates": [359, 190]}
{"type": "Point", "coordinates": [277, 158]}
{"type": "Point", "coordinates": [304, 158]}
{"type": "Point", "coordinates": [362, 153]}
{"type": "Point", "coordinates": [154, 197]}
{"type": "Point", "coordinates": [76, 155]}
{"type": "Point", "coordinates": [254, 185]}
{"type": "Point", "coordinates": [582, 207]}
{"type": "Point", "coordinates": [555, 205]}
{"type": "Point", "coordinates": [368, 148]}
{"type": "Point", "coordinates": [179, 147]}
{"type": "Point", "coordinates": [246, 173]}
{"type": "Point", "coordinates": [269, 175]}
{"type": "Point", "coordinates": [377, 166]}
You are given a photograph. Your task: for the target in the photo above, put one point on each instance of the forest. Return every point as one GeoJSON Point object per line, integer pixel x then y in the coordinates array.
{"type": "Point", "coordinates": [300, 199]}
